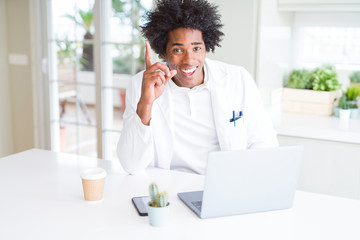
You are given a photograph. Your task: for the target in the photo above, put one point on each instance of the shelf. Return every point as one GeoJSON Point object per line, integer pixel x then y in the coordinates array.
{"type": "Point", "coordinates": [318, 127]}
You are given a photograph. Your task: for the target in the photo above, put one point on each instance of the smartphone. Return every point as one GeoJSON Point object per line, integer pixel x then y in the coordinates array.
{"type": "Point", "coordinates": [140, 204]}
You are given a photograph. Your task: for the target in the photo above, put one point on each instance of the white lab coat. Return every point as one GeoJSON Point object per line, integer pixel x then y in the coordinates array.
{"type": "Point", "coordinates": [231, 88]}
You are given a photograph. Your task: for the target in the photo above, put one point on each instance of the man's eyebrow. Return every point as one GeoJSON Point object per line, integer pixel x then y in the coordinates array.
{"type": "Point", "coordinates": [177, 44]}
{"type": "Point", "coordinates": [193, 43]}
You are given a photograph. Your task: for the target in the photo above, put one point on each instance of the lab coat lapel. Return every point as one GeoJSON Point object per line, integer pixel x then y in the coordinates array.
{"type": "Point", "coordinates": [163, 130]}
{"type": "Point", "coordinates": [220, 102]}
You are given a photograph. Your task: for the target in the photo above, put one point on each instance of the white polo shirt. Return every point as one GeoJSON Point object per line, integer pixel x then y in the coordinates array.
{"type": "Point", "coordinates": [194, 128]}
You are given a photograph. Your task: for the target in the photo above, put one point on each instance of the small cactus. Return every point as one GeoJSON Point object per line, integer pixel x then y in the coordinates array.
{"type": "Point", "coordinates": [162, 199]}
{"type": "Point", "coordinates": [153, 190]}
{"type": "Point", "coordinates": [158, 199]}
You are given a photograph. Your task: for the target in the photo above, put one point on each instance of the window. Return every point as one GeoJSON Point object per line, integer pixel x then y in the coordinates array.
{"type": "Point", "coordinates": [327, 38]}
{"type": "Point", "coordinates": [335, 45]}
{"type": "Point", "coordinates": [90, 69]}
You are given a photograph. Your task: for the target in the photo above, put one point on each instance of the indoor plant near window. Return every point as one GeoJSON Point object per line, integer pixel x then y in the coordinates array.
{"type": "Point", "coordinates": [311, 92]}
{"type": "Point", "coordinates": [300, 79]}
{"type": "Point", "coordinates": [352, 94]}
{"type": "Point", "coordinates": [123, 62]}
{"type": "Point", "coordinates": [355, 79]}
{"type": "Point", "coordinates": [158, 207]}
{"type": "Point", "coordinates": [351, 97]}
{"type": "Point", "coordinates": [344, 110]}
{"type": "Point", "coordinates": [84, 19]}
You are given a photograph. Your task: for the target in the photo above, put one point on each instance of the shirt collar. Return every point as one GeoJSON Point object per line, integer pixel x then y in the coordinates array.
{"type": "Point", "coordinates": [206, 78]}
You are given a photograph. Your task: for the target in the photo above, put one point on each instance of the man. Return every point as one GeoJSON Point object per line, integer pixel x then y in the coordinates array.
{"type": "Point", "coordinates": [179, 111]}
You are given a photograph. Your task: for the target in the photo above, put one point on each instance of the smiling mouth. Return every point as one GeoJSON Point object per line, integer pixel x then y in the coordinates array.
{"type": "Point", "coordinates": [189, 71]}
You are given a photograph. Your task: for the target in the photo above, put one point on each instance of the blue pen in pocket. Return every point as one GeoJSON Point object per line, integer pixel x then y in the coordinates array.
{"type": "Point", "coordinates": [234, 118]}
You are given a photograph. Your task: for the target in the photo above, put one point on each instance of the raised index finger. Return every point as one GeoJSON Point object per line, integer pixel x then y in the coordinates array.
{"type": "Point", "coordinates": [147, 55]}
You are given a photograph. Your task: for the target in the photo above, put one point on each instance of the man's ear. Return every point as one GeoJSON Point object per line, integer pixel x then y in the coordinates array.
{"type": "Point", "coordinates": [163, 57]}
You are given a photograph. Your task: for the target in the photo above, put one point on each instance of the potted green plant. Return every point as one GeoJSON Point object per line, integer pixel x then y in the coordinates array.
{"type": "Point", "coordinates": [355, 78]}
{"type": "Point", "coordinates": [352, 94]}
{"type": "Point", "coordinates": [299, 79]}
{"type": "Point", "coordinates": [325, 79]}
{"type": "Point", "coordinates": [344, 110]}
{"type": "Point", "coordinates": [158, 207]}
{"type": "Point", "coordinates": [311, 92]}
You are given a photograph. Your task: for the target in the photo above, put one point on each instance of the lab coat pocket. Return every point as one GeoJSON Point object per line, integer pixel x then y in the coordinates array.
{"type": "Point", "coordinates": [237, 134]}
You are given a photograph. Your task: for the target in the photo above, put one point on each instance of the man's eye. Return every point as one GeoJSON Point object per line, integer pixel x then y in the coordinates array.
{"type": "Point", "coordinates": [177, 50]}
{"type": "Point", "coordinates": [197, 49]}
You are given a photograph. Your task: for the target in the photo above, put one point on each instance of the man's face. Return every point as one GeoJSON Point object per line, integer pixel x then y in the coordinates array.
{"type": "Point", "coordinates": [185, 52]}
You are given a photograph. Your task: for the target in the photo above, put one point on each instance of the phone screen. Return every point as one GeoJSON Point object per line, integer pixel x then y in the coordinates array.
{"type": "Point", "coordinates": [140, 204]}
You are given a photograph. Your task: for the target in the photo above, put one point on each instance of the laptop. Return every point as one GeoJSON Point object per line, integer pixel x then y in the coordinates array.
{"type": "Point", "coordinates": [247, 181]}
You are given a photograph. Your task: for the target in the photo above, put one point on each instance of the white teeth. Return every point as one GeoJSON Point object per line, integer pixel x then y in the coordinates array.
{"type": "Point", "coordinates": [188, 70]}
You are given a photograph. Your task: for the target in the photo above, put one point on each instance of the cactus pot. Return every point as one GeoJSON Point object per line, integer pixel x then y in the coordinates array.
{"type": "Point", "coordinates": [158, 216]}
{"type": "Point", "coordinates": [344, 114]}
{"type": "Point", "coordinates": [354, 112]}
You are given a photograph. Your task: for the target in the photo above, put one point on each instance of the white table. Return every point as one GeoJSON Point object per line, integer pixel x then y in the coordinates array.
{"type": "Point", "coordinates": [41, 198]}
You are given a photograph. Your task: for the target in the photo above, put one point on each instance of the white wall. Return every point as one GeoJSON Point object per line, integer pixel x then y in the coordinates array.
{"type": "Point", "coordinates": [6, 140]}
{"type": "Point", "coordinates": [259, 38]}
{"type": "Point", "coordinates": [18, 88]}
{"type": "Point", "coordinates": [240, 25]}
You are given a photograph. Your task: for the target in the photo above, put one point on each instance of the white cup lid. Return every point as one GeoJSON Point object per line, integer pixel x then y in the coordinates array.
{"type": "Point", "coordinates": [93, 174]}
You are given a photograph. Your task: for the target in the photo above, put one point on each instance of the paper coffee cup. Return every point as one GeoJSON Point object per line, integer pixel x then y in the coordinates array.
{"type": "Point", "coordinates": [93, 180]}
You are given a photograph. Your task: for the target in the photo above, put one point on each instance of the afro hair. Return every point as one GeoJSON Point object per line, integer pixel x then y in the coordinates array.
{"type": "Point", "coordinates": [173, 14]}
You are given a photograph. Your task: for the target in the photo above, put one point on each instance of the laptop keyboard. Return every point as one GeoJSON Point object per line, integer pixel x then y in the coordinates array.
{"type": "Point", "coordinates": [197, 204]}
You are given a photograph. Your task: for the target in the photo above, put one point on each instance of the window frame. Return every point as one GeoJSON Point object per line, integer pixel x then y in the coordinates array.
{"type": "Point", "coordinates": [100, 74]}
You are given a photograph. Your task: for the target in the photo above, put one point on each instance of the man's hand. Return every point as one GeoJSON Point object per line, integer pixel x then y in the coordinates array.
{"type": "Point", "coordinates": [154, 81]}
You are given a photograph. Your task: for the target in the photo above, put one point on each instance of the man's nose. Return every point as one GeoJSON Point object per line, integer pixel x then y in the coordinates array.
{"type": "Point", "coordinates": [188, 57]}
